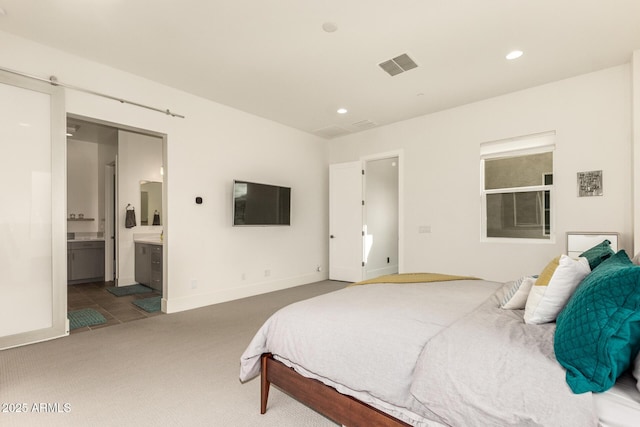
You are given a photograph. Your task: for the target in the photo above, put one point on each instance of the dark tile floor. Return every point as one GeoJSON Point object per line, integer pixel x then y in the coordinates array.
{"type": "Point", "coordinates": [115, 309]}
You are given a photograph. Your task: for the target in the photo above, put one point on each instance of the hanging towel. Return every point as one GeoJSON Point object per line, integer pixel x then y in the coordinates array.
{"type": "Point", "coordinates": [130, 219]}
{"type": "Point", "coordinates": [156, 218]}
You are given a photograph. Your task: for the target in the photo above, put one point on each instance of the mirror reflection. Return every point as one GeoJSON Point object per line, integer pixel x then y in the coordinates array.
{"type": "Point", "coordinates": [150, 203]}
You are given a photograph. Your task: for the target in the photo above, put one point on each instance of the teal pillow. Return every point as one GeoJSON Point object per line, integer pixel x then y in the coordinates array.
{"type": "Point", "coordinates": [598, 253]}
{"type": "Point", "coordinates": [598, 332]}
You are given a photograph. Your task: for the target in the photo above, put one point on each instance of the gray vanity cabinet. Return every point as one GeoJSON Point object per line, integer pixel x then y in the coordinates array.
{"type": "Point", "coordinates": [148, 269]}
{"type": "Point", "coordinates": [85, 262]}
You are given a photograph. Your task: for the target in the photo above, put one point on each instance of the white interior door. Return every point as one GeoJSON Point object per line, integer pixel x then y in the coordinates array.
{"type": "Point", "coordinates": [33, 253]}
{"type": "Point", "coordinates": [345, 221]}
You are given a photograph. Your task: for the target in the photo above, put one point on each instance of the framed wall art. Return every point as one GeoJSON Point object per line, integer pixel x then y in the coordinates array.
{"type": "Point", "coordinates": [589, 183]}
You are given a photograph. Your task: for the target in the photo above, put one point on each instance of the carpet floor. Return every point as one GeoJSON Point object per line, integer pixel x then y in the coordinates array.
{"type": "Point", "coordinates": [177, 369]}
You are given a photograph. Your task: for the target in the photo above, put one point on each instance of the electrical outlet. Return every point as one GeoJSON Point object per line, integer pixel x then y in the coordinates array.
{"type": "Point", "coordinates": [194, 284]}
{"type": "Point", "coordinates": [267, 273]}
{"type": "Point", "coordinates": [244, 276]}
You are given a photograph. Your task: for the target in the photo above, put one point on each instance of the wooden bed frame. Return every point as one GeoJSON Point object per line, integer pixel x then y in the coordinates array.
{"type": "Point", "coordinates": [326, 400]}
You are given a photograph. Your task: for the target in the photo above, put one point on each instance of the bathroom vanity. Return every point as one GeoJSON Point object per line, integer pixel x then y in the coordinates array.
{"type": "Point", "coordinates": [85, 261]}
{"type": "Point", "coordinates": [148, 269]}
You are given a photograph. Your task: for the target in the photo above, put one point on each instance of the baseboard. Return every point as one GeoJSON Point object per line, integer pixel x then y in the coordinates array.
{"type": "Point", "coordinates": [174, 305]}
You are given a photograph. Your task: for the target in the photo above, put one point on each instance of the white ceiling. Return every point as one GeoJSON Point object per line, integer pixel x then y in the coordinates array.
{"type": "Point", "coordinates": [273, 59]}
{"type": "Point", "coordinates": [85, 131]}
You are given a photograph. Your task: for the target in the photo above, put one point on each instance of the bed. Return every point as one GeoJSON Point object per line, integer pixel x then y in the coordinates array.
{"type": "Point", "coordinates": [375, 354]}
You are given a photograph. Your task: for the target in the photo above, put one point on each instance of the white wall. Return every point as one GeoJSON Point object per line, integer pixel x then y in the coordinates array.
{"type": "Point", "coordinates": [592, 118]}
{"type": "Point", "coordinates": [83, 192]}
{"type": "Point", "coordinates": [636, 145]}
{"type": "Point", "coordinates": [381, 217]}
{"type": "Point", "coordinates": [107, 152]}
{"type": "Point", "coordinates": [139, 158]}
{"type": "Point", "coordinates": [209, 261]}
{"type": "Point", "coordinates": [85, 183]}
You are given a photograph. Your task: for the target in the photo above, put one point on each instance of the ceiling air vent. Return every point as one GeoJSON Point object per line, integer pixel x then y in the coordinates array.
{"type": "Point", "coordinates": [398, 65]}
{"type": "Point", "coordinates": [331, 131]}
{"type": "Point", "coordinates": [364, 124]}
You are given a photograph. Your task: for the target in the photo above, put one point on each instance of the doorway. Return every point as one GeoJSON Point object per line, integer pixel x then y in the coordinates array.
{"type": "Point", "coordinates": [365, 217]}
{"type": "Point", "coordinates": [381, 217]}
{"type": "Point", "coordinates": [107, 164]}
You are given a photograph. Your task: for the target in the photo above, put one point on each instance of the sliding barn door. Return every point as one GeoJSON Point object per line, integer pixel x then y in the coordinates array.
{"type": "Point", "coordinates": [345, 221]}
{"type": "Point", "coordinates": [32, 211]}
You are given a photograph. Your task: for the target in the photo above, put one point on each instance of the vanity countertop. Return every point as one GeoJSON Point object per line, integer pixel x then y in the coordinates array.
{"type": "Point", "coordinates": [86, 239]}
{"type": "Point", "coordinates": [149, 240]}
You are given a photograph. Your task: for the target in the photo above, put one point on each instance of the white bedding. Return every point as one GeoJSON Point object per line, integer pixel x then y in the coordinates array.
{"type": "Point", "coordinates": [620, 405]}
{"type": "Point", "coordinates": [505, 374]}
{"type": "Point", "coordinates": [358, 321]}
{"type": "Point", "coordinates": [373, 342]}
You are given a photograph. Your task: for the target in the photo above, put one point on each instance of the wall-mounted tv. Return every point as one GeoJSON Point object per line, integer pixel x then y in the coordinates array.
{"type": "Point", "coordinates": [260, 204]}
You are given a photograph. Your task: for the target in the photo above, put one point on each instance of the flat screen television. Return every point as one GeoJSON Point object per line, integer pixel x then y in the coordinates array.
{"type": "Point", "coordinates": [260, 204]}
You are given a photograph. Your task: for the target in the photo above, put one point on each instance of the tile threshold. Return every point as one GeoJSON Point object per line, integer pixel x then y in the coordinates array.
{"type": "Point", "coordinates": [116, 310]}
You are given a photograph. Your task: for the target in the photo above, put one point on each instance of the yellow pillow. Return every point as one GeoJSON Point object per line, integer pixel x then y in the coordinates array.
{"type": "Point", "coordinates": [553, 288]}
{"type": "Point", "coordinates": [545, 277]}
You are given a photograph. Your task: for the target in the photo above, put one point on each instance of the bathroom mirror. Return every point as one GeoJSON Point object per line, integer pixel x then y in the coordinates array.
{"type": "Point", "coordinates": [150, 203]}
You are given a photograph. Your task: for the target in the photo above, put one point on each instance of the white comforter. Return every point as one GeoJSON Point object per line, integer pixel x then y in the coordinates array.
{"type": "Point", "coordinates": [503, 370]}
{"type": "Point", "coordinates": [373, 342]}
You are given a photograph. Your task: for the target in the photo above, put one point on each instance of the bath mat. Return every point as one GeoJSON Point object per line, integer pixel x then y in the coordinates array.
{"type": "Point", "coordinates": [150, 305]}
{"type": "Point", "coordinates": [84, 317]}
{"type": "Point", "coordinates": [121, 291]}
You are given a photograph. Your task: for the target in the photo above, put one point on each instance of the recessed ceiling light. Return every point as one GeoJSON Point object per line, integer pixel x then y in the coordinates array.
{"type": "Point", "coordinates": [514, 54]}
{"type": "Point", "coordinates": [342, 111]}
{"type": "Point", "coordinates": [329, 27]}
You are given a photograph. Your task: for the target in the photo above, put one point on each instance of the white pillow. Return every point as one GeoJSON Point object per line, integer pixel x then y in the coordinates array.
{"type": "Point", "coordinates": [636, 370]}
{"type": "Point", "coordinates": [516, 296]}
{"type": "Point", "coordinates": [553, 288]}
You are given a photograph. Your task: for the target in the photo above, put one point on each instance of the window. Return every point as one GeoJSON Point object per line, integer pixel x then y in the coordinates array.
{"type": "Point", "coordinates": [517, 187]}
